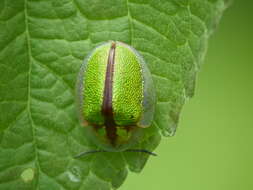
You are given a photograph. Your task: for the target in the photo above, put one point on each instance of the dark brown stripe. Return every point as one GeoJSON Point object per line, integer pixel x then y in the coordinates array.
{"type": "Point", "coordinates": [107, 109]}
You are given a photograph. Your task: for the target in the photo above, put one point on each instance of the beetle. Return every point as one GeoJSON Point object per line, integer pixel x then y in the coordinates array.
{"type": "Point", "coordinates": [116, 97]}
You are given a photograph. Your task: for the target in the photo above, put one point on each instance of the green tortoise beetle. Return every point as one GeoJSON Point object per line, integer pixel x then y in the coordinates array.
{"type": "Point", "coordinates": [116, 97]}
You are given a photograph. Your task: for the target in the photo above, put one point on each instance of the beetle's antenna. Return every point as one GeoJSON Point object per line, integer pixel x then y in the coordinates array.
{"type": "Point", "coordinates": [141, 150]}
{"type": "Point", "coordinates": [89, 152]}
{"type": "Point", "coordinates": [128, 150]}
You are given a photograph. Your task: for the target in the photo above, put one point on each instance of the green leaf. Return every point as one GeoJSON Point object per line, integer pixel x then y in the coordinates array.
{"type": "Point", "coordinates": [42, 45]}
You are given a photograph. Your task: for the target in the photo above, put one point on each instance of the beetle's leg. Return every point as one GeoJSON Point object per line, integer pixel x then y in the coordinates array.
{"type": "Point", "coordinates": [128, 128]}
{"type": "Point", "coordinates": [128, 150]}
{"type": "Point", "coordinates": [97, 127]}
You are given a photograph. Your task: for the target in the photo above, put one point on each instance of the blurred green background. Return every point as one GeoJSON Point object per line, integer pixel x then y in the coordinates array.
{"type": "Point", "coordinates": [213, 147]}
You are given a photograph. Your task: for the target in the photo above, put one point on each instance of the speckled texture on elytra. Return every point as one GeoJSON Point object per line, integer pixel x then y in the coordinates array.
{"type": "Point", "coordinates": [94, 82]}
{"type": "Point", "coordinates": [127, 86]}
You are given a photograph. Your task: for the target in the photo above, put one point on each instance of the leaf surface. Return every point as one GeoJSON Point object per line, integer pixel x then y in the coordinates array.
{"type": "Point", "coordinates": [42, 45]}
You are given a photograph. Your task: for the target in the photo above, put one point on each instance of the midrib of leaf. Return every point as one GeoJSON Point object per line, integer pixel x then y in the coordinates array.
{"type": "Point", "coordinates": [130, 22]}
{"type": "Point", "coordinates": [29, 54]}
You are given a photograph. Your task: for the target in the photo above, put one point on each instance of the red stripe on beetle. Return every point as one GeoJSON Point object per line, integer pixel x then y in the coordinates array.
{"type": "Point", "coordinates": [107, 109]}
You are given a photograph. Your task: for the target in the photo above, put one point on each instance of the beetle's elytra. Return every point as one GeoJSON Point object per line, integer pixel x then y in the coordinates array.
{"type": "Point", "coordinates": [116, 96]}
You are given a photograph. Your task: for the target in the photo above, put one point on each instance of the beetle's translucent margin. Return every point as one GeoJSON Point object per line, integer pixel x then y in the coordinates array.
{"type": "Point", "coordinates": [149, 95]}
{"type": "Point", "coordinates": [79, 89]}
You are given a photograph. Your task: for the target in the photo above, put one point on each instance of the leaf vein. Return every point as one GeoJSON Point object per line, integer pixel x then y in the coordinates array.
{"type": "Point", "coordinates": [29, 54]}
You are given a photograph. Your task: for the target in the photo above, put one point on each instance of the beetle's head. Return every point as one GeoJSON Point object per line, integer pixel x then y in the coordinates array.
{"type": "Point", "coordinates": [118, 138]}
